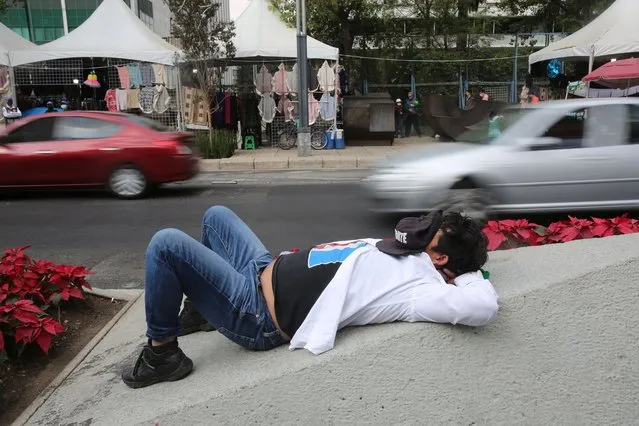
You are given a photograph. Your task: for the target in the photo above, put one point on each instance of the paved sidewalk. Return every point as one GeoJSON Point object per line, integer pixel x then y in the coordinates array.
{"type": "Point", "coordinates": [562, 351]}
{"type": "Point", "coordinates": [354, 157]}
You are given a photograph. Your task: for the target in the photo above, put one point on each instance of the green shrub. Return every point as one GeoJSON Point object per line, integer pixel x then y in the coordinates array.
{"type": "Point", "coordinates": [216, 144]}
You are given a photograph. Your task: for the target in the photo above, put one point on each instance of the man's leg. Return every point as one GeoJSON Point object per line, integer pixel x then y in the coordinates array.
{"type": "Point", "coordinates": [228, 236]}
{"type": "Point", "coordinates": [177, 264]}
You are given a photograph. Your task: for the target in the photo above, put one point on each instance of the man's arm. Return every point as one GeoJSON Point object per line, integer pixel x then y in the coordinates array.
{"type": "Point", "coordinates": [471, 301]}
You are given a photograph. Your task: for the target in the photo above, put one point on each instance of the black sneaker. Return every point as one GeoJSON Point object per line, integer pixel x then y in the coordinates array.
{"type": "Point", "coordinates": [152, 367]}
{"type": "Point", "coordinates": [192, 321]}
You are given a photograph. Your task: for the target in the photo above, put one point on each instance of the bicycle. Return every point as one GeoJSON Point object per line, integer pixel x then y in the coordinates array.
{"type": "Point", "coordinates": [287, 137]}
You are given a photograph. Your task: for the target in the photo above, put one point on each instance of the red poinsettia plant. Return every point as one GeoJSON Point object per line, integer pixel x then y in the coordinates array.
{"type": "Point", "coordinates": [507, 234]}
{"type": "Point", "coordinates": [29, 290]}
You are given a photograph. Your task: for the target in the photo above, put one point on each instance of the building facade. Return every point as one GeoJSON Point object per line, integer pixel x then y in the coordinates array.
{"type": "Point", "coordinates": [42, 21]}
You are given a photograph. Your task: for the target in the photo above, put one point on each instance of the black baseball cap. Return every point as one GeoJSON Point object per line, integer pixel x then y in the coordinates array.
{"type": "Point", "coordinates": [412, 234]}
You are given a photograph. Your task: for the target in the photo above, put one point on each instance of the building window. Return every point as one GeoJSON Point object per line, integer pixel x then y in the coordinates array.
{"type": "Point", "coordinates": [79, 10]}
{"type": "Point", "coordinates": [46, 20]}
{"type": "Point", "coordinates": [145, 7]}
{"type": "Point", "coordinates": [15, 18]}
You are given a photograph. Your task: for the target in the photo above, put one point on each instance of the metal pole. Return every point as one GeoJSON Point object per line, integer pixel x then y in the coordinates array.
{"type": "Point", "coordinates": [515, 65]}
{"type": "Point", "coordinates": [303, 131]}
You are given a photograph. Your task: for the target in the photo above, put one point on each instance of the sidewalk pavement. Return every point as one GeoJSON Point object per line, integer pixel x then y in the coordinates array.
{"type": "Point", "coordinates": [562, 351]}
{"type": "Point", "coordinates": [278, 159]}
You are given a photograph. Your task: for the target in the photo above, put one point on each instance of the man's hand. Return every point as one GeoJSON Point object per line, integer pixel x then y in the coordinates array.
{"type": "Point", "coordinates": [448, 276]}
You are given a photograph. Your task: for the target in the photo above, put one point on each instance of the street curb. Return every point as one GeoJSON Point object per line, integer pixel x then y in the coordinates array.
{"type": "Point", "coordinates": [60, 378]}
{"type": "Point", "coordinates": [317, 163]}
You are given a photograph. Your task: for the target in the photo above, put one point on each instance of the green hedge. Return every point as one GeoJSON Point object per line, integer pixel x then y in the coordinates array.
{"type": "Point", "coordinates": [217, 144]}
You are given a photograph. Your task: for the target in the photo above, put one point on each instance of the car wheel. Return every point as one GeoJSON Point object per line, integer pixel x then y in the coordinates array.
{"type": "Point", "coordinates": [128, 182]}
{"type": "Point", "coordinates": [469, 200]}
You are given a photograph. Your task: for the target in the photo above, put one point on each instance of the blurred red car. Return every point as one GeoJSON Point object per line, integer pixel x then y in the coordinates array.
{"type": "Point", "coordinates": [127, 154]}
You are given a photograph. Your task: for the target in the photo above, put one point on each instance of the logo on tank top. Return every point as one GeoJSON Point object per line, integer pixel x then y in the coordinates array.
{"type": "Point", "coordinates": [326, 254]}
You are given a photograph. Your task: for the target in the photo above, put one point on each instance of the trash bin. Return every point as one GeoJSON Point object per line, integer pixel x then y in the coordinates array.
{"type": "Point", "coordinates": [330, 139]}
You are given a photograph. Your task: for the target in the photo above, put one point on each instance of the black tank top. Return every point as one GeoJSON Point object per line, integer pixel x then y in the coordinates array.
{"type": "Point", "coordinates": [300, 278]}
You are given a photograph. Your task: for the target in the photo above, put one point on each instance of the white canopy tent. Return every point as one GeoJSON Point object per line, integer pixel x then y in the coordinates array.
{"type": "Point", "coordinates": [112, 31]}
{"type": "Point", "coordinates": [259, 33]}
{"type": "Point", "coordinates": [10, 41]}
{"type": "Point", "coordinates": [613, 32]}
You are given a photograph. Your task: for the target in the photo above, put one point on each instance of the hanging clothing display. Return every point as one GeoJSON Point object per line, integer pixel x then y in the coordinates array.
{"type": "Point", "coordinates": [123, 74]}
{"type": "Point", "coordinates": [121, 99]}
{"type": "Point", "coordinates": [313, 109]}
{"type": "Point", "coordinates": [286, 107]}
{"type": "Point", "coordinates": [313, 84]}
{"type": "Point", "coordinates": [147, 74]}
{"type": "Point", "coordinates": [161, 99]}
{"type": "Point", "coordinates": [326, 77]}
{"type": "Point", "coordinates": [267, 108]}
{"type": "Point", "coordinates": [147, 96]}
{"type": "Point", "coordinates": [292, 80]}
{"type": "Point", "coordinates": [158, 73]}
{"type": "Point", "coordinates": [4, 77]}
{"type": "Point", "coordinates": [264, 81]}
{"type": "Point", "coordinates": [111, 100]}
{"type": "Point", "coordinates": [327, 106]}
{"type": "Point", "coordinates": [249, 113]}
{"type": "Point", "coordinates": [279, 80]}
{"type": "Point", "coordinates": [170, 77]}
{"type": "Point", "coordinates": [133, 98]}
{"type": "Point", "coordinates": [135, 76]}
{"type": "Point", "coordinates": [196, 106]}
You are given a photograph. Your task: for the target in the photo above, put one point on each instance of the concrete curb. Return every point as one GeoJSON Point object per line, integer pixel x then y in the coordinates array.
{"type": "Point", "coordinates": [288, 163]}
{"type": "Point", "coordinates": [60, 378]}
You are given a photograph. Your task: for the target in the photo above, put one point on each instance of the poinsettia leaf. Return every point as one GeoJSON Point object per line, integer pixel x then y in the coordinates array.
{"type": "Point", "coordinates": [24, 317]}
{"type": "Point", "coordinates": [52, 326]}
{"type": "Point", "coordinates": [625, 229]}
{"type": "Point", "coordinates": [495, 240]}
{"type": "Point", "coordinates": [44, 341]}
{"type": "Point", "coordinates": [569, 234]}
{"type": "Point", "coordinates": [28, 306]}
{"type": "Point", "coordinates": [76, 293]}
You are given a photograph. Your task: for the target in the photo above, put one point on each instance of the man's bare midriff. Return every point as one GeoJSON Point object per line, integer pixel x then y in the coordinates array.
{"type": "Point", "coordinates": [266, 280]}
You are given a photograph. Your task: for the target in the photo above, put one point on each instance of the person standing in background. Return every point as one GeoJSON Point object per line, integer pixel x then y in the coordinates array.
{"type": "Point", "coordinates": [399, 119]}
{"type": "Point", "coordinates": [412, 115]}
{"type": "Point", "coordinates": [483, 95]}
{"type": "Point", "coordinates": [10, 112]}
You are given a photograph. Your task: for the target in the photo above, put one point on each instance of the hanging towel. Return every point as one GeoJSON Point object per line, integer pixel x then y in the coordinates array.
{"type": "Point", "coordinates": [285, 106]}
{"type": "Point", "coordinates": [267, 108]}
{"type": "Point", "coordinates": [135, 76]}
{"type": "Point", "coordinates": [158, 73]}
{"type": "Point", "coordinates": [147, 95]}
{"type": "Point", "coordinates": [327, 106]}
{"type": "Point", "coordinates": [120, 97]}
{"type": "Point", "coordinates": [161, 99]}
{"type": "Point", "coordinates": [292, 81]}
{"type": "Point", "coordinates": [123, 74]}
{"type": "Point", "coordinates": [111, 100]}
{"type": "Point", "coordinates": [132, 98]}
{"type": "Point", "coordinates": [326, 77]}
{"type": "Point", "coordinates": [279, 80]}
{"type": "Point", "coordinates": [147, 74]}
{"type": "Point", "coordinates": [264, 81]}
{"type": "Point", "coordinates": [170, 77]}
{"type": "Point", "coordinates": [313, 109]}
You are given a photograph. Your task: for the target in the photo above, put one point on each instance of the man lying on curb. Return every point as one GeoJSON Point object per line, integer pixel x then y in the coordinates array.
{"type": "Point", "coordinates": [430, 272]}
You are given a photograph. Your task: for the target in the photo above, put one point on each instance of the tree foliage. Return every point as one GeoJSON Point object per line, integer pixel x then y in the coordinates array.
{"type": "Point", "coordinates": [558, 15]}
{"type": "Point", "coordinates": [340, 22]}
{"type": "Point", "coordinates": [207, 42]}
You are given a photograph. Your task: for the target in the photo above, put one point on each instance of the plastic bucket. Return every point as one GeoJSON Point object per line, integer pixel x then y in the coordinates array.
{"type": "Point", "coordinates": [329, 137]}
{"type": "Point", "coordinates": [339, 139]}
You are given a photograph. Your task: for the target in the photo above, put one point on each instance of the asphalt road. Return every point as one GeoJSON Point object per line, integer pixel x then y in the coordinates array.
{"type": "Point", "coordinates": [285, 209]}
{"type": "Point", "coordinates": [110, 236]}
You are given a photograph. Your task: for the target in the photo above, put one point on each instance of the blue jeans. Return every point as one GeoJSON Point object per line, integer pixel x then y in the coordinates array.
{"type": "Point", "coordinates": [220, 276]}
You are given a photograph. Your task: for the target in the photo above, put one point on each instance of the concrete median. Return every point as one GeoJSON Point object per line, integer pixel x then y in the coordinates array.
{"type": "Point", "coordinates": [562, 351]}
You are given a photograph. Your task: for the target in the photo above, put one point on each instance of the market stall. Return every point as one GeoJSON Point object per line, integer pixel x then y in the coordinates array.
{"type": "Point", "coordinates": [614, 32]}
{"type": "Point", "coordinates": [112, 62]}
{"type": "Point", "coordinates": [9, 41]}
{"type": "Point", "coordinates": [271, 99]}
